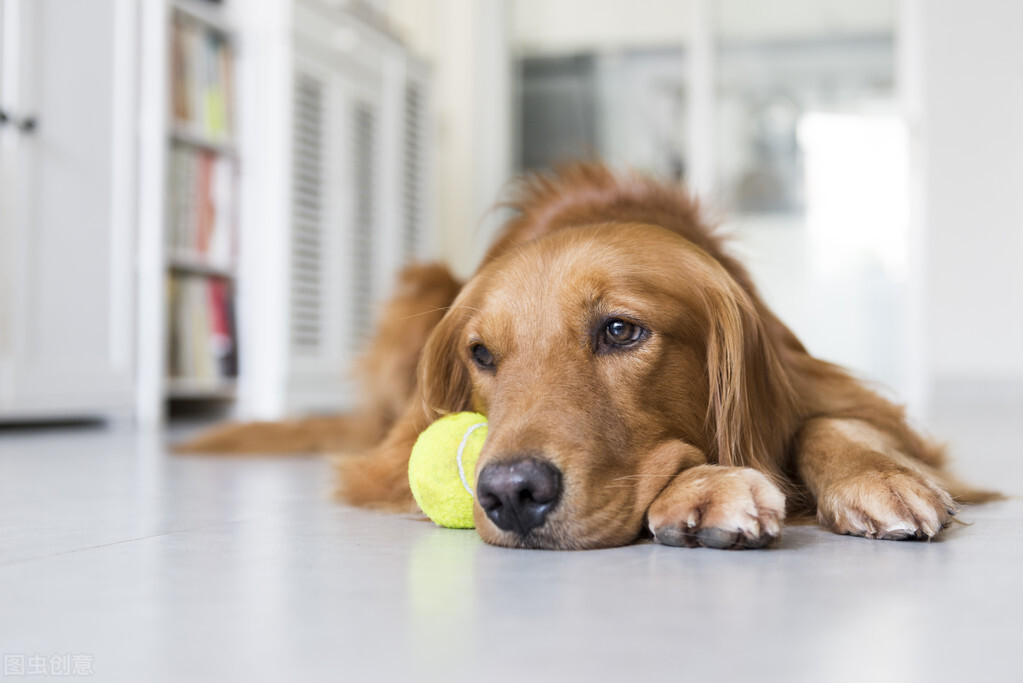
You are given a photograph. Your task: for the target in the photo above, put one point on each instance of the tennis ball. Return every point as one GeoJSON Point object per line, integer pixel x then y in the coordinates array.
{"type": "Point", "coordinates": [444, 483]}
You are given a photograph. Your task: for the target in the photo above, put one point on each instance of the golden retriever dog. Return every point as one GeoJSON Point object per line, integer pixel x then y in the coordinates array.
{"type": "Point", "coordinates": [635, 385]}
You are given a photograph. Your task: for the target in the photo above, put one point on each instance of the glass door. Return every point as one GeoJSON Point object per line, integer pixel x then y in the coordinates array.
{"type": "Point", "coordinates": [812, 169]}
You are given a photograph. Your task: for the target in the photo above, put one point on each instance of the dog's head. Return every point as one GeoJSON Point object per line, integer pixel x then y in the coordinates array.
{"type": "Point", "coordinates": [607, 359]}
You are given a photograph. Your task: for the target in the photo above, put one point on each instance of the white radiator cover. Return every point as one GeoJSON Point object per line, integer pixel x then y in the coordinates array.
{"type": "Point", "coordinates": [357, 205]}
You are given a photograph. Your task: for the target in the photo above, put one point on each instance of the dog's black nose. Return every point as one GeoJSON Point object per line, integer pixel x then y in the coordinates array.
{"type": "Point", "coordinates": [517, 496]}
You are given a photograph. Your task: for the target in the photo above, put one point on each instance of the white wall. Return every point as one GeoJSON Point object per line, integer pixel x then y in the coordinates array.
{"type": "Point", "coordinates": [965, 80]}
{"type": "Point", "coordinates": [564, 26]}
{"type": "Point", "coordinates": [466, 43]}
{"type": "Point", "coordinates": [792, 19]}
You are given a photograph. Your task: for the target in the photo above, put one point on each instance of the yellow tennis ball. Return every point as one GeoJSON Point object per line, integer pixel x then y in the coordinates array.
{"type": "Point", "coordinates": [443, 484]}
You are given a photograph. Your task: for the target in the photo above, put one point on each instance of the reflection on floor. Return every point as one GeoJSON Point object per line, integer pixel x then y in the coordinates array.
{"type": "Point", "coordinates": [143, 566]}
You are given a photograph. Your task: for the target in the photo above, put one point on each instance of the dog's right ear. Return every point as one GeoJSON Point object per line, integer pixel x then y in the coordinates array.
{"type": "Point", "coordinates": [379, 479]}
{"type": "Point", "coordinates": [444, 385]}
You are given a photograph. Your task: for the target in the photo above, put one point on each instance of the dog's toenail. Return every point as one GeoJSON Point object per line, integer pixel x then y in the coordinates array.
{"type": "Point", "coordinates": [716, 538]}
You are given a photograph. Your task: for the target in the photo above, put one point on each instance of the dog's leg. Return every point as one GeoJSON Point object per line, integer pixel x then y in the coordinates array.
{"type": "Point", "coordinates": [379, 479]}
{"type": "Point", "coordinates": [718, 507]}
{"type": "Point", "coordinates": [864, 485]}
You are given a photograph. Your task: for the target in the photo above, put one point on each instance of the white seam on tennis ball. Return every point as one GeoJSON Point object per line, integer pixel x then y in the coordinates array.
{"type": "Point", "coordinates": [461, 449]}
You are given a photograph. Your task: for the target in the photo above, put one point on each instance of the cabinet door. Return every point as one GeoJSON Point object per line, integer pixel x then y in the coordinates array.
{"type": "Point", "coordinates": [66, 342]}
{"type": "Point", "coordinates": [7, 193]}
{"type": "Point", "coordinates": [316, 268]}
{"type": "Point", "coordinates": [344, 155]}
{"type": "Point", "coordinates": [333, 152]}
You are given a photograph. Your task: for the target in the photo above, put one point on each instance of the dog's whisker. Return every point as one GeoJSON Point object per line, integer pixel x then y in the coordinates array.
{"type": "Point", "coordinates": [474, 309]}
{"type": "Point", "coordinates": [422, 313]}
{"type": "Point", "coordinates": [638, 476]}
{"type": "Point", "coordinates": [643, 476]}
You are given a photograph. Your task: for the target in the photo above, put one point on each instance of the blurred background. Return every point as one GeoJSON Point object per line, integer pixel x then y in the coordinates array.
{"type": "Point", "coordinates": [202, 203]}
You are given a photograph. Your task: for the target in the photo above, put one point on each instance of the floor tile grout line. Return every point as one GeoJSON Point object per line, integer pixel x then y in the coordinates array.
{"type": "Point", "coordinates": [127, 540]}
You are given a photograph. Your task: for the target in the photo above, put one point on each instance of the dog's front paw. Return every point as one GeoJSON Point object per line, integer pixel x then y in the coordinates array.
{"type": "Point", "coordinates": [891, 505]}
{"type": "Point", "coordinates": [718, 507]}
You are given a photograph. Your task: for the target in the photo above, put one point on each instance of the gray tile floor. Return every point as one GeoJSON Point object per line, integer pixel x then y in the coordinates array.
{"type": "Point", "coordinates": [150, 567]}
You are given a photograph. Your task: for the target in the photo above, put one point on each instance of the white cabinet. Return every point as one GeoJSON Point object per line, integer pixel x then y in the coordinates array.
{"type": "Point", "coordinates": [66, 202]}
{"type": "Point", "coordinates": [358, 114]}
{"type": "Point", "coordinates": [337, 193]}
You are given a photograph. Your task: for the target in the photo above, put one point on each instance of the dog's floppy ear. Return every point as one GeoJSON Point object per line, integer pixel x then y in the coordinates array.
{"type": "Point", "coordinates": [752, 400]}
{"type": "Point", "coordinates": [380, 477]}
{"type": "Point", "coordinates": [443, 380]}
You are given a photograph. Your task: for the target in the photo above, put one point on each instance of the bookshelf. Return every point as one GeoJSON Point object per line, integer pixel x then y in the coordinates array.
{"type": "Point", "coordinates": [273, 225]}
{"type": "Point", "coordinates": [201, 205]}
{"type": "Point", "coordinates": [210, 14]}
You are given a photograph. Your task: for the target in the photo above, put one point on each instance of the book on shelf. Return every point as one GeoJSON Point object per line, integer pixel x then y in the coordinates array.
{"type": "Point", "coordinates": [201, 202]}
{"type": "Point", "coordinates": [202, 80]}
{"type": "Point", "coordinates": [203, 340]}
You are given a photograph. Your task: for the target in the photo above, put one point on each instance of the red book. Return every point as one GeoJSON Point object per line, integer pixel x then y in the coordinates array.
{"type": "Point", "coordinates": [221, 334]}
{"type": "Point", "coordinates": [204, 205]}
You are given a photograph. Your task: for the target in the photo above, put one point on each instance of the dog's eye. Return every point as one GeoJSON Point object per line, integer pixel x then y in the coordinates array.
{"type": "Point", "coordinates": [482, 356]}
{"type": "Point", "coordinates": [620, 332]}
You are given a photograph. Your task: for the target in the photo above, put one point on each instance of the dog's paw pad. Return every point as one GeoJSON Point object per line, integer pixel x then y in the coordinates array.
{"type": "Point", "coordinates": [730, 508]}
{"type": "Point", "coordinates": [895, 506]}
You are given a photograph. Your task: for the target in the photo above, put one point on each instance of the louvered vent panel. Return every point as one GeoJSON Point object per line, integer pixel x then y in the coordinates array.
{"type": "Point", "coordinates": [307, 216]}
{"type": "Point", "coordinates": [412, 201]}
{"type": "Point", "coordinates": [364, 171]}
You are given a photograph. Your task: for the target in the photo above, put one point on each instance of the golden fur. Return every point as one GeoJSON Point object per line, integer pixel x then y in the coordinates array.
{"type": "Point", "coordinates": [705, 433]}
